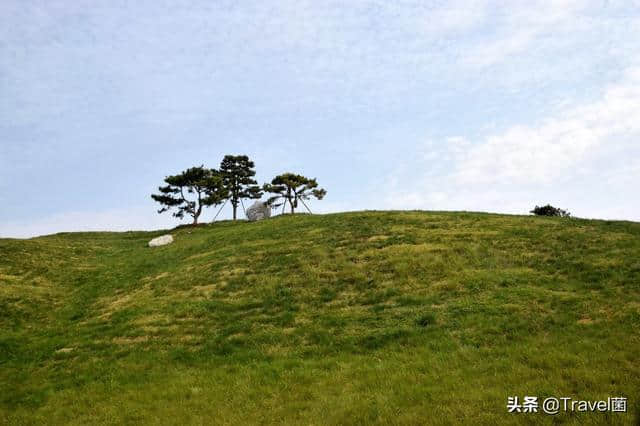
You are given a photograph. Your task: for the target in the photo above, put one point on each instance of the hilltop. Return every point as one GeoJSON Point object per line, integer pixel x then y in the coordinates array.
{"type": "Point", "coordinates": [387, 317]}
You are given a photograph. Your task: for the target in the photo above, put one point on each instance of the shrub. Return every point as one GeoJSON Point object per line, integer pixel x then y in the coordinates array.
{"type": "Point", "coordinates": [549, 210]}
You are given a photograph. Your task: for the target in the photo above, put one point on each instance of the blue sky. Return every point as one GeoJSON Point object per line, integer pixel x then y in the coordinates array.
{"type": "Point", "coordinates": [442, 105]}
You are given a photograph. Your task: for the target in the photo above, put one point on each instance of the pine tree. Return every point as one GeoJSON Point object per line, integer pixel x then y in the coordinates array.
{"type": "Point", "coordinates": [292, 188]}
{"type": "Point", "coordinates": [190, 191]}
{"type": "Point", "coordinates": [237, 175]}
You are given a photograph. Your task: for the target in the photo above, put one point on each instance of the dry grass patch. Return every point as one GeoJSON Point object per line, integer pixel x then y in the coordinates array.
{"type": "Point", "coordinates": [107, 306]}
{"type": "Point", "coordinates": [156, 277]}
{"type": "Point", "coordinates": [130, 340]}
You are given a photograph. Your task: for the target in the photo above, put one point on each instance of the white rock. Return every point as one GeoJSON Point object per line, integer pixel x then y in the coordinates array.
{"type": "Point", "coordinates": [161, 241]}
{"type": "Point", "coordinates": [258, 211]}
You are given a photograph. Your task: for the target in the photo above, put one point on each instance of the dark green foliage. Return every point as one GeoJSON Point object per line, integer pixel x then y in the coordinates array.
{"type": "Point", "coordinates": [237, 175]}
{"type": "Point", "coordinates": [205, 186]}
{"type": "Point", "coordinates": [549, 210]}
{"type": "Point", "coordinates": [292, 188]}
{"type": "Point", "coordinates": [426, 320]}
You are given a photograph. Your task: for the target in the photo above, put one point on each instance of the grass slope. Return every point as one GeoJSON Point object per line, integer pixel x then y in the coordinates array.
{"type": "Point", "coordinates": [358, 318]}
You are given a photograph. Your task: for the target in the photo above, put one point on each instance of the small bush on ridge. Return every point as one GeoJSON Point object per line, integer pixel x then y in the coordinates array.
{"type": "Point", "coordinates": [549, 210]}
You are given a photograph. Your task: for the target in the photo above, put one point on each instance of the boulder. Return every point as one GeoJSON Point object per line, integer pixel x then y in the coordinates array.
{"type": "Point", "coordinates": [161, 241]}
{"type": "Point", "coordinates": [258, 211]}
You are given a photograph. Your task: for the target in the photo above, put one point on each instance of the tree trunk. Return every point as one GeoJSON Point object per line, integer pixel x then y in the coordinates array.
{"type": "Point", "coordinates": [290, 200]}
{"type": "Point", "coordinates": [197, 213]}
{"type": "Point", "coordinates": [235, 207]}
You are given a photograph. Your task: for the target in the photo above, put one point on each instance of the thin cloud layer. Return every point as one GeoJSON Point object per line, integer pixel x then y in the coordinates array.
{"type": "Point", "coordinates": [586, 147]}
{"type": "Point", "coordinates": [477, 105]}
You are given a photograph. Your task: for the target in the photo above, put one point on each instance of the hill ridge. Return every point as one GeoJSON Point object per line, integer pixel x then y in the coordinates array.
{"type": "Point", "coordinates": [370, 317]}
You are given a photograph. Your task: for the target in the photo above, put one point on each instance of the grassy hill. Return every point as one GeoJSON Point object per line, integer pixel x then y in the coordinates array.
{"type": "Point", "coordinates": [358, 318]}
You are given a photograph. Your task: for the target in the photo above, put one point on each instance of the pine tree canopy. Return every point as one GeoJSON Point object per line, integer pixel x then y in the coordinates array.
{"type": "Point", "coordinates": [291, 188]}
{"type": "Point", "coordinates": [190, 191]}
{"type": "Point", "coordinates": [237, 173]}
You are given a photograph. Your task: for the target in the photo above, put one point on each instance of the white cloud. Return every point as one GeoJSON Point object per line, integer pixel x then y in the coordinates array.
{"type": "Point", "coordinates": [454, 17]}
{"type": "Point", "coordinates": [522, 26]}
{"type": "Point", "coordinates": [591, 148]}
{"type": "Point", "coordinates": [542, 154]}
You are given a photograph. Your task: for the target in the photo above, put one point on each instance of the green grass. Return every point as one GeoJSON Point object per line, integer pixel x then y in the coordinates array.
{"type": "Point", "coordinates": [357, 318]}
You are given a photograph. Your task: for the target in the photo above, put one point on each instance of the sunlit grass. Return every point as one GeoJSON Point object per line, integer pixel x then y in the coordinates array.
{"type": "Point", "coordinates": [376, 317]}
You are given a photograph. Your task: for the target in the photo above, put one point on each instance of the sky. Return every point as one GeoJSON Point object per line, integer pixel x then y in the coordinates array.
{"type": "Point", "coordinates": [433, 105]}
